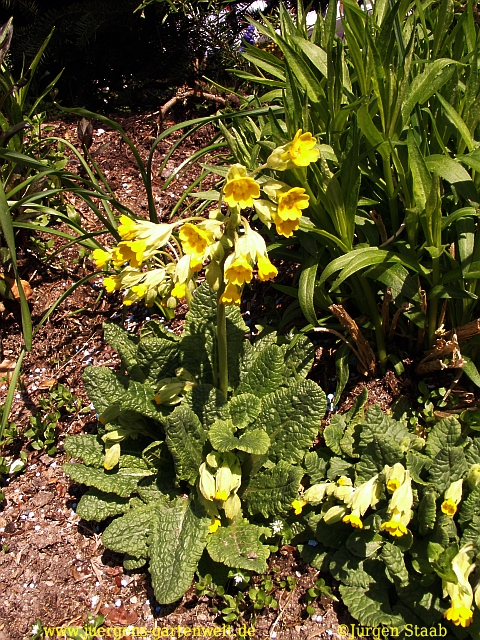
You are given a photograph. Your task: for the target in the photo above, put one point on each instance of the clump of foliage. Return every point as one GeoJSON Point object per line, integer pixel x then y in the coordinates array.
{"type": "Point", "coordinates": [202, 478]}
{"type": "Point", "coordinates": [396, 518]}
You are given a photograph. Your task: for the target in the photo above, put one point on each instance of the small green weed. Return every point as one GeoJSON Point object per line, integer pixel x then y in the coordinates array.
{"type": "Point", "coordinates": [43, 425]}
{"type": "Point", "coordinates": [318, 590]}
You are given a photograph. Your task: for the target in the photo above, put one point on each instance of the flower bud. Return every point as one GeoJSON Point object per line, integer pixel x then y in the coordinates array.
{"type": "Point", "coordinates": [168, 393]}
{"type": "Point", "coordinates": [473, 477]}
{"type": "Point", "coordinates": [315, 493]}
{"type": "Point", "coordinates": [394, 476]}
{"type": "Point", "coordinates": [453, 495]}
{"type": "Point", "coordinates": [112, 456]}
{"type": "Point", "coordinates": [232, 506]}
{"type": "Point", "coordinates": [206, 483]}
{"type": "Point", "coordinates": [334, 514]}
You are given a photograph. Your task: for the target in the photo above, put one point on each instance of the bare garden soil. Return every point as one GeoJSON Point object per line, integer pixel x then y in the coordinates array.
{"type": "Point", "coordinates": [53, 567]}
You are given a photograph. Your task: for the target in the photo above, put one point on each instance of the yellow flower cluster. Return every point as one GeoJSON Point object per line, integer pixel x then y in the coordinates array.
{"type": "Point", "coordinates": [460, 593]}
{"type": "Point", "coordinates": [220, 479]}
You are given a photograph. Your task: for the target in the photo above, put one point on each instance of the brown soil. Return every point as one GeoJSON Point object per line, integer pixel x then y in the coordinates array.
{"type": "Point", "coordinates": [53, 567]}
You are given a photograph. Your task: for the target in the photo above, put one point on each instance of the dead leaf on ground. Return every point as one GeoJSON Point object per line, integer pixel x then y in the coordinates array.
{"type": "Point", "coordinates": [27, 289]}
{"type": "Point", "coordinates": [6, 368]}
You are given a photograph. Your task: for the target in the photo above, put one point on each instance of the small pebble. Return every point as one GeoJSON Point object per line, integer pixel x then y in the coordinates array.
{"type": "Point", "coordinates": [37, 527]}
{"type": "Point", "coordinates": [95, 600]}
{"type": "Point", "coordinates": [118, 603]}
{"type": "Point", "coordinates": [273, 634]}
{"type": "Point", "coordinates": [312, 543]}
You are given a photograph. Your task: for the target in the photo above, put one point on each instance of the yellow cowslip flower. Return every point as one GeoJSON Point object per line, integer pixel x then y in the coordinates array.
{"type": "Point", "coordinates": [139, 290]}
{"type": "Point", "coordinates": [301, 151]}
{"type": "Point", "coordinates": [238, 271]}
{"type": "Point", "coordinates": [111, 283]}
{"type": "Point", "coordinates": [215, 523]}
{"type": "Point", "coordinates": [354, 520]}
{"type": "Point", "coordinates": [194, 239]}
{"type": "Point", "coordinates": [394, 528]}
{"type": "Point", "coordinates": [400, 508]}
{"type": "Point", "coordinates": [131, 251]}
{"type": "Point", "coordinates": [266, 270]}
{"type": "Point", "coordinates": [112, 456]}
{"type": "Point", "coordinates": [127, 228]}
{"type": "Point", "coordinates": [394, 476]}
{"type": "Point", "coordinates": [231, 295]}
{"type": "Point", "coordinates": [179, 290]}
{"type": "Point", "coordinates": [287, 227]}
{"type": "Point", "coordinates": [101, 257]}
{"type": "Point", "coordinates": [240, 190]}
{"type": "Point", "coordinates": [453, 495]}
{"type": "Point", "coordinates": [291, 203]}
{"type": "Point", "coordinates": [461, 594]}
{"type": "Point", "coordinates": [196, 264]}
{"type": "Point", "coordinates": [298, 506]}
{"type": "Point", "coordinates": [344, 481]}
{"type": "Point", "coordinates": [460, 616]}
{"type": "Point", "coordinates": [232, 506]}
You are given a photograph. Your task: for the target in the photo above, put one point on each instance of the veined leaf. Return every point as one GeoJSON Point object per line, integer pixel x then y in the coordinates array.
{"type": "Point", "coordinates": [88, 448]}
{"type": "Point", "coordinates": [291, 416]}
{"type": "Point", "coordinates": [239, 546]}
{"type": "Point", "coordinates": [265, 374]}
{"type": "Point", "coordinates": [272, 491]}
{"type": "Point", "coordinates": [177, 540]}
{"type": "Point", "coordinates": [118, 483]}
{"type": "Point", "coordinates": [96, 505]}
{"type": "Point", "coordinates": [185, 437]}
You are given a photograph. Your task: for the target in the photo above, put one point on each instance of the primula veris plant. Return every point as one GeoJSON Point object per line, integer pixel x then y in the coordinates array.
{"type": "Point", "coordinates": [396, 519]}
{"type": "Point", "coordinates": [188, 473]}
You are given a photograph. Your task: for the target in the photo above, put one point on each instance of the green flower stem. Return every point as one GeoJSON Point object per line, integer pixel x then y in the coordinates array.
{"type": "Point", "coordinates": [392, 197]}
{"type": "Point", "coordinates": [222, 346]}
{"type": "Point", "coordinates": [433, 304]}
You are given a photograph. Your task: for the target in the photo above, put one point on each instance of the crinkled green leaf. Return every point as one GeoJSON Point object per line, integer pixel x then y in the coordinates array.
{"type": "Point", "coordinates": [207, 402]}
{"type": "Point", "coordinates": [156, 329]}
{"type": "Point", "coordinates": [427, 512]}
{"type": "Point", "coordinates": [364, 542]}
{"type": "Point", "coordinates": [472, 451]}
{"type": "Point", "coordinates": [178, 536]}
{"type": "Point", "coordinates": [244, 409]}
{"type": "Point", "coordinates": [158, 358]}
{"type": "Point", "coordinates": [239, 546]}
{"type": "Point", "coordinates": [395, 564]}
{"type": "Point", "coordinates": [272, 491]}
{"type": "Point", "coordinates": [103, 386]}
{"type": "Point", "coordinates": [124, 342]}
{"type": "Point", "coordinates": [357, 572]}
{"type": "Point", "coordinates": [129, 533]}
{"type": "Point", "coordinates": [88, 448]}
{"type": "Point", "coordinates": [292, 418]}
{"type": "Point", "coordinates": [377, 425]}
{"type": "Point", "coordinates": [416, 463]}
{"type": "Point", "coordinates": [375, 456]}
{"type": "Point", "coordinates": [425, 604]}
{"type": "Point", "coordinates": [333, 434]}
{"type": "Point", "coordinates": [470, 507]}
{"type": "Point", "coordinates": [266, 373]}
{"type": "Point", "coordinates": [185, 437]}
{"type": "Point", "coordinates": [97, 505]}
{"type": "Point", "coordinates": [315, 466]}
{"type": "Point", "coordinates": [339, 467]}
{"type": "Point", "coordinates": [316, 556]}
{"type": "Point", "coordinates": [299, 356]}
{"type": "Point", "coordinates": [118, 483]}
{"type": "Point", "coordinates": [222, 437]}
{"type": "Point", "coordinates": [160, 487]}
{"type": "Point", "coordinates": [472, 532]}
{"type": "Point", "coordinates": [131, 562]}
{"type": "Point", "coordinates": [448, 466]}
{"type": "Point", "coordinates": [369, 606]}
{"type": "Point", "coordinates": [446, 433]}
